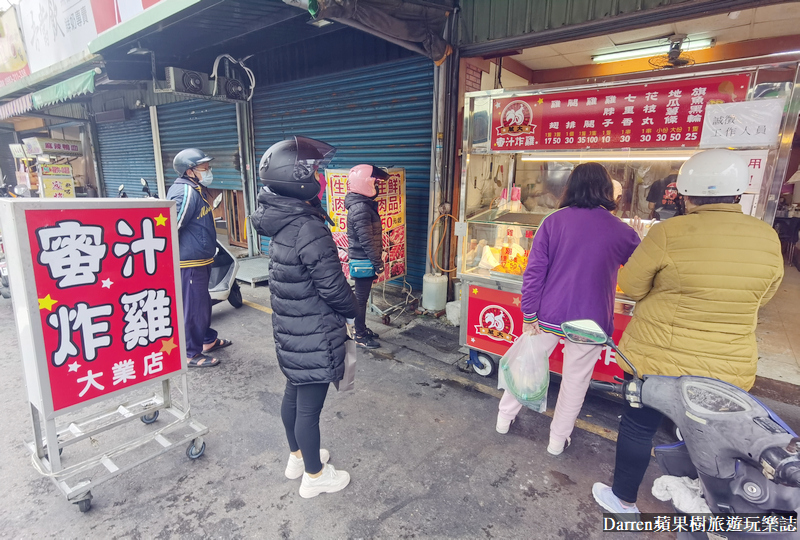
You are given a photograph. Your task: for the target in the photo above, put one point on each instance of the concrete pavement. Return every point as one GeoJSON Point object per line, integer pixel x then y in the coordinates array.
{"type": "Point", "coordinates": [417, 437]}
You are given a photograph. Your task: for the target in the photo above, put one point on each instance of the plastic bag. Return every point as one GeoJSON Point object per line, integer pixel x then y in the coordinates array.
{"type": "Point", "coordinates": [525, 372]}
{"type": "Point", "coordinates": [348, 382]}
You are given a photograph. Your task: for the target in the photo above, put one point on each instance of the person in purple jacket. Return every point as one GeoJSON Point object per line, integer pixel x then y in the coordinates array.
{"type": "Point", "coordinates": [572, 274]}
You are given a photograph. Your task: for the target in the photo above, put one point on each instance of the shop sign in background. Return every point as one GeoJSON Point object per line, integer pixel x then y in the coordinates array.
{"type": "Point", "coordinates": [56, 30]}
{"type": "Point", "coordinates": [36, 146]}
{"type": "Point", "coordinates": [57, 181]}
{"type": "Point", "coordinates": [105, 283]}
{"type": "Point", "coordinates": [655, 115]}
{"type": "Point", "coordinates": [392, 209]}
{"type": "Point", "coordinates": [13, 58]}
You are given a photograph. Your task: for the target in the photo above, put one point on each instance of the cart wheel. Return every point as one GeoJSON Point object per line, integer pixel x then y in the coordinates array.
{"type": "Point", "coordinates": [235, 297]}
{"type": "Point", "coordinates": [487, 367]}
{"type": "Point", "coordinates": [150, 418]}
{"type": "Point", "coordinates": [386, 320]}
{"type": "Point", "coordinates": [194, 453]}
{"type": "Point", "coordinates": [84, 505]}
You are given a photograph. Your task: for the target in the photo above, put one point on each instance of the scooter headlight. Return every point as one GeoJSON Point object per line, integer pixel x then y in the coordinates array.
{"type": "Point", "coordinates": [708, 397]}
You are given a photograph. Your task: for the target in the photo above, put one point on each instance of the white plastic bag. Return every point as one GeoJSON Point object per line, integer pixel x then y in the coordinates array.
{"type": "Point", "coordinates": [525, 372]}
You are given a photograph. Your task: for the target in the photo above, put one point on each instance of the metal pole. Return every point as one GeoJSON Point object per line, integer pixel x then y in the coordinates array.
{"type": "Point", "coordinates": [244, 125]}
{"type": "Point", "coordinates": [94, 141]}
{"type": "Point", "coordinates": [160, 180]}
{"type": "Point", "coordinates": [434, 181]}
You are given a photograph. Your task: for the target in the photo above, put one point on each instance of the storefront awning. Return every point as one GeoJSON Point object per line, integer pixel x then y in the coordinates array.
{"type": "Point", "coordinates": [15, 108]}
{"type": "Point", "coordinates": [75, 86]}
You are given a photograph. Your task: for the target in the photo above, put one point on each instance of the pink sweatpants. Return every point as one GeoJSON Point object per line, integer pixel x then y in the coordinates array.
{"type": "Point", "coordinates": [579, 361]}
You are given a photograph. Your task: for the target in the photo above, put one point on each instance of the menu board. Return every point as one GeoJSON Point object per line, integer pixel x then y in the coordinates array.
{"type": "Point", "coordinates": [654, 115]}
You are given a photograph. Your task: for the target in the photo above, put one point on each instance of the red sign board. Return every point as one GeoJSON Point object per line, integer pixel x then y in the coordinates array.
{"type": "Point", "coordinates": [391, 196]}
{"type": "Point", "coordinates": [494, 321]}
{"type": "Point", "coordinates": [107, 300]}
{"type": "Point", "coordinates": [655, 115]}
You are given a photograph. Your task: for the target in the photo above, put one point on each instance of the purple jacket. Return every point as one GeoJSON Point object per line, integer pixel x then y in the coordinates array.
{"type": "Point", "coordinates": [572, 268]}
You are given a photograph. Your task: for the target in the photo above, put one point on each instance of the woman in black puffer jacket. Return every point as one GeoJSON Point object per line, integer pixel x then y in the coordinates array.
{"type": "Point", "coordinates": [311, 302]}
{"type": "Point", "coordinates": [364, 235]}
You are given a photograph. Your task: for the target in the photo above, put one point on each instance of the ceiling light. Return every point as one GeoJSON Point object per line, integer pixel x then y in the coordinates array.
{"type": "Point", "coordinates": [646, 52]}
{"type": "Point", "coordinates": [139, 50]}
{"type": "Point", "coordinates": [319, 23]}
{"type": "Point", "coordinates": [733, 15]}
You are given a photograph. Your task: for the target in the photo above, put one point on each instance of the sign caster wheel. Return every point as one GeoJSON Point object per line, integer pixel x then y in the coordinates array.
{"type": "Point", "coordinates": [485, 366]}
{"type": "Point", "coordinates": [84, 505]}
{"type": "Point", "coordinates": [150, 418]}
{"type": "Point", "coordinates": [386, 320]}
{"type": "Point", "coordinates": [193, 452]}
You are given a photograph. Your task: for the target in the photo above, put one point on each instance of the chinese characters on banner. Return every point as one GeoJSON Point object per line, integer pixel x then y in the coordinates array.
{"type": "Point", "coordinates": [749, 123]}
{"type": "Point", "coordinates": [105, 281]}
{"type": "Point", "coordinates": [657, 115]}
{"type": "Point", "coordinates": [36, 146]}
{"type": "Point", "coordinates": [392, 209]}
{"type": "Point", "coordinates": [757, 161]}
{"type": "Point", "coordinates": [57, 181]}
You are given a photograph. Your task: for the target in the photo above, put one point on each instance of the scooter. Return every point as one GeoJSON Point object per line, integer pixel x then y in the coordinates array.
{"type": "Point", "coordinates": [222, 284]}
{"type": "Point", "coordinates": [746, 457]}
{"type": "Point", "coordinates": [5, 290]}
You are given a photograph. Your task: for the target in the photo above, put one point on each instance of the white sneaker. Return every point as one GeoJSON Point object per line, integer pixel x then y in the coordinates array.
{"type": "Point", "coordinates": [330, 481]}
{"type": "Point", "coordinates": [556, 449]}
{"type": "Point", "coordinates": [503, 425]}
{"type": "Point", "coordinates": [605, 497]}
{"type": "Point", "coordinates": [296, 466]}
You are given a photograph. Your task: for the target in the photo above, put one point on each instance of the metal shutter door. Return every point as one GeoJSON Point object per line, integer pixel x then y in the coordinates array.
{"type": "Point", "coordinates": [126, 155]}
{"type": "Point", "coordinates": [208, 125]}
{"type": "Point", "coordinates": [381, 114]}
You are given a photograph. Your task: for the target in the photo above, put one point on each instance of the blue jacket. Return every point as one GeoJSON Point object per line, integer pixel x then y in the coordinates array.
{"type": "Point", "coordinates": [197, 237]}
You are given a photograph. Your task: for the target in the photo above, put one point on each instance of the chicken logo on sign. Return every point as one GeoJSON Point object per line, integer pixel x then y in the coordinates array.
{"type": "Point", "coordinates": [516, 119]}
{"type": "Point", "coordinates": [496, 323]}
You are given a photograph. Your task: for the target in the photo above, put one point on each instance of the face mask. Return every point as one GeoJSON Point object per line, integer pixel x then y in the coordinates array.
{"type": "Point", "coordinates": [206, 177]}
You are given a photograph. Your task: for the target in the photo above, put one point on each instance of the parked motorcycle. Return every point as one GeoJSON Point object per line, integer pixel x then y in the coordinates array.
{"type": "Point", "coordinates": [121, 192]}
{"type": "Point", "coordinates": [222, 283]}
{"type": "Point", "coordinates": [746, 457]}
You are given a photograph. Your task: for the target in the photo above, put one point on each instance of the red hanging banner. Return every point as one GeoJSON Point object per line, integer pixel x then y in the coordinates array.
{"type": "Point", "coordinates": [654, 115]}
{"type": "Point", "coordinates": [105, 281]}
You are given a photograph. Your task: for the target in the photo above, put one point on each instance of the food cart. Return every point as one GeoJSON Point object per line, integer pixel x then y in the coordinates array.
{"type": "Point", "coordinates": [520, 146]}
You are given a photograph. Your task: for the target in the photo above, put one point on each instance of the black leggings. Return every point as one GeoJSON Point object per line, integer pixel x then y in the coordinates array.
{"type": "Point", "coordinates": [300, 411]}
{"type": "Point", "coordinates": [363, 287]}
{"type": "Point", "coordinates": [634, 444]}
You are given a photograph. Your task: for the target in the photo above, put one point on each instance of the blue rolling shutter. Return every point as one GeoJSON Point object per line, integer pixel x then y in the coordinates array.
{"type": "Point", "coordinates": [207, 125]}
{"type": "Point", "coordinates": [381, 115]}
{"type": "Point", "coordinates": [126, 154]}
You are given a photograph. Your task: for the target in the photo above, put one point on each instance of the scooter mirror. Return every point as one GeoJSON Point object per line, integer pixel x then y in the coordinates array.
{"type": "Point", "coordinates": [121, 188]}
{"type": "Point", "coordinates": [143, 181]}
{"type": "Point", "coordinates": [584, 332]}
{"type": "Point", "coordinates": [217, 201]}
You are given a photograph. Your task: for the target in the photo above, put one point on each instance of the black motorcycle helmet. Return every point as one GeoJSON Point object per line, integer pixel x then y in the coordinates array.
{"type": "Point", "coordinates": [189, 159]}
{"type": "Point", "coordinates": [289, 167]}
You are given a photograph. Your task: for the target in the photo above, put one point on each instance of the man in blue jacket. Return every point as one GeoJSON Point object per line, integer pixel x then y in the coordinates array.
{"type": "Point", "coordinates": [197, 241]}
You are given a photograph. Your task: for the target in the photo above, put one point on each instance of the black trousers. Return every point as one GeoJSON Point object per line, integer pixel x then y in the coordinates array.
{"type": "Point", "coordinates": [634, 444]}
{"type": "Point", "coordinates": [197, 309]}
{"type": "Point", "coordinates": [302, 405]}
{"type": "Point", "coordinates": [363, 288]}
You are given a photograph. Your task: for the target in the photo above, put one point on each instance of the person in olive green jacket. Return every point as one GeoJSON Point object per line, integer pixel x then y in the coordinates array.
{"type": "Point", "coordinates": [699, 280]}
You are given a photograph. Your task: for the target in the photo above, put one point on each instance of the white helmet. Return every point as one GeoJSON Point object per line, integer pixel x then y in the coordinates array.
{"type": "Point", "coordinates": [713, 173]}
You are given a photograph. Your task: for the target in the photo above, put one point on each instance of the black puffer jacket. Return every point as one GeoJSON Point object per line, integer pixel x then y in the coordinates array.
{"type": "Point", "coordinates": [310, 295]}
{"type": "Point", "coordinates": [363, 229]}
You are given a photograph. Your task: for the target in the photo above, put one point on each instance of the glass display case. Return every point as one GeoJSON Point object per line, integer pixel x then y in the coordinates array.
{"type": "Point", "coordinates": [520, 147]}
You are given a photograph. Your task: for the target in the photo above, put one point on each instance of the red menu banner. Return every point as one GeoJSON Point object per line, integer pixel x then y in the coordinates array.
{"type": "Point", "coordinates": [105, 281]}
{"type": "Point", "coordinates": [655, 115]}
{"type": "Point", "coordinates": [392, 210]}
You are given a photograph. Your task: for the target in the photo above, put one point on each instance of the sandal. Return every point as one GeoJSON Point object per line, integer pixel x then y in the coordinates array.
{"type": "Point", "coordinates": [202, 360]}
{"type": "Point", "coordinates": [219, 344]}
